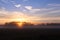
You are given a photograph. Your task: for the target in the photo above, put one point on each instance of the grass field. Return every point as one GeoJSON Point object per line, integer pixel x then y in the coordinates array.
{"type": "Point", "coordinates": [13, 34]}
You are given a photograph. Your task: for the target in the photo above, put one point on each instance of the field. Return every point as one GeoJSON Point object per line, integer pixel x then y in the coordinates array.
{"type": "Point", "coordinates": [36, 33]}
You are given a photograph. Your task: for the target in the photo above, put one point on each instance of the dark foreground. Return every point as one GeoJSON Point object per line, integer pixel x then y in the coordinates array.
{"type": "Point", "coordinates": [14, 34]}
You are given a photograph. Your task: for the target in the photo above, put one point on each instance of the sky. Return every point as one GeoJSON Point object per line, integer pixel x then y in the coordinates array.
{"type": "Point", "coordinates": [35, 11]}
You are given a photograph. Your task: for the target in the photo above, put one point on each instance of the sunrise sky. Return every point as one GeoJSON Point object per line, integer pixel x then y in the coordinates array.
{"type": "Point", "coordinates": [35, 11]}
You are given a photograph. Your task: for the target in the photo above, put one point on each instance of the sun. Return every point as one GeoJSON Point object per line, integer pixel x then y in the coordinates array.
{"type": "Point", "coordinates": [20, 21]}
{"type": "Point", "coordinates": [20, 24]}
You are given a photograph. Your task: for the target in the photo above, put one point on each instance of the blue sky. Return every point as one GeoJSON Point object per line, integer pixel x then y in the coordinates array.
{"type": "Point", "coordinates": [32, 10]}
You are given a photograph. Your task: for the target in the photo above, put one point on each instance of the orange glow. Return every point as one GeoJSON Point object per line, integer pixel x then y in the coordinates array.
{"type": "Point", "coordinates": [20, 19]}
{"type": "Point", "coordinates": [20, 24]}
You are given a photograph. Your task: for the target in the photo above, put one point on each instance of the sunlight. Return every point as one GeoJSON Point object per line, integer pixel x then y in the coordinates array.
{"type": "Point", "coordinates": [20, 20]}
{"type": "Point", "coordinates": [20, 24]}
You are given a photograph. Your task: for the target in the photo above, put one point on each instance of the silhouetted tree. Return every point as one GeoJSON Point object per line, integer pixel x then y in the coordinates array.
{"type": "Point", "coordinates": [11, 24]}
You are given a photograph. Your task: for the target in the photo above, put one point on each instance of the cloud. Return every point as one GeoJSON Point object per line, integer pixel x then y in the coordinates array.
{"type": "Point", "coordinates": [52, 13]}
{"type": "Point", "coordinates": [4, 1]}
{"type": "Point", "coordinates": [11, 15]}
{"type": "Point", "coordinates": [13, 2]}
{"type": "Point", "coordinates": [34, 10]}
{"type": "Point", "coordinates": [16, 16]}
{"type": "Point", "coordinates": [25, 0]}
{"type": "Point", "coordinates": [54, 5]}
{"type": "Point", "coordinates": [34, 14]}
{"type": "Point", "coordinates": [17, 5]}
{"type": "Point", "coordinates": [28, 7]}
{"type": "Point", "coordinates": [49, 14]}
{"type": "Point", "coordinates": [2, 8]}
